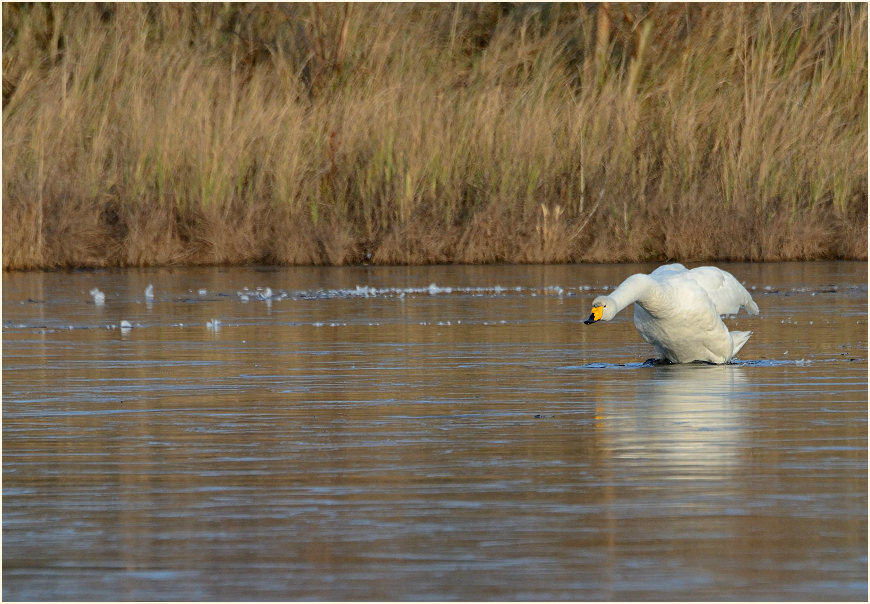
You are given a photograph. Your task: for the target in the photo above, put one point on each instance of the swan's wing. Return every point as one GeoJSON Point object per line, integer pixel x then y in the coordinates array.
{"type": "Point", "coordinates": [667, 271]}
{"type": "Point", "coordinates": [724, 290]}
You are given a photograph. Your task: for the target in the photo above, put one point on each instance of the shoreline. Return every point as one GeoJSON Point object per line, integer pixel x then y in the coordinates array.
{"type": "Point", "coordinates": [275, 267]}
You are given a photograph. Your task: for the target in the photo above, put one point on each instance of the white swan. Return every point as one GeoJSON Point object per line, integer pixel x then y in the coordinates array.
{"type": "Point", "coordinates": [678, 311]}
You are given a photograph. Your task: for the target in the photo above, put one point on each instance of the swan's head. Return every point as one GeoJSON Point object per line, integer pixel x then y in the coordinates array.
{"type": "Point", "coordinates": [603, 309]}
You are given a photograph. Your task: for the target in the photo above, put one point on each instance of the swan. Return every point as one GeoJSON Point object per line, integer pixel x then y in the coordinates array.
{"type": "Point", "coordinates": [678, 311]}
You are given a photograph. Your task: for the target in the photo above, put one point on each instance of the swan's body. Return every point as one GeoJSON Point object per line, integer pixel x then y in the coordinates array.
{"type": "Point", "coordinates": [679, 311]}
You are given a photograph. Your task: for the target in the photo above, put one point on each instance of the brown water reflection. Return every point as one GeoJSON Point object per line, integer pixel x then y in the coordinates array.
{"type": "Point", "coordinates": [472, 440]}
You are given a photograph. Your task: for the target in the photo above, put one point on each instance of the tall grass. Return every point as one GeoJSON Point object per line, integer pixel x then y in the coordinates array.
{"type": "Point", "coordinates": [140, 134]}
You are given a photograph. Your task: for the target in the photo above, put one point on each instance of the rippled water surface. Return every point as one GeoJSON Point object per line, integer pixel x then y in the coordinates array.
{"type": "Point", "coordinates": [426, 433]}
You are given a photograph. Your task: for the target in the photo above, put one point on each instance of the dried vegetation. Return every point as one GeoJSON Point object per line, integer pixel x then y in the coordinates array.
{"type": "Point", "coordinates": [150, 134]}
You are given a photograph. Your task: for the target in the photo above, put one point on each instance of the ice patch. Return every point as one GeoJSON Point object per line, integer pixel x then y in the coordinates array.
{"type": "Point", "coordinates": [433, 289]}
{"type": "Point", "coordinates": [99, 297]}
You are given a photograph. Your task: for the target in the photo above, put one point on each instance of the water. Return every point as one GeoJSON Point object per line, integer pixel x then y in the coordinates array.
{"type": "Point", "coordinates": [426, 433]}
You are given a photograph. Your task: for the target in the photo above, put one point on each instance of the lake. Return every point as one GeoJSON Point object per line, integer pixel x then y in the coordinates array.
{"type": "Point", "coordinates": [432, 433]}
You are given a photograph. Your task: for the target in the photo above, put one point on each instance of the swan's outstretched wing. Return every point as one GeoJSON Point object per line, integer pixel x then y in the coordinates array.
{"type": "Point", "coordinates": [724, 290]}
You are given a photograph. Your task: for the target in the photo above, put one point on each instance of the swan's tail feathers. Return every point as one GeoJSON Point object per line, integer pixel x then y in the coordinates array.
{"type": "Point", "coordinates": [750, 306]}
{"type": "Point", "coordinates": [738, 339]}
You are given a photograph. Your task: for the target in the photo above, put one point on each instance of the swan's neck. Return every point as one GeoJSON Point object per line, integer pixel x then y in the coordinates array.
{"type": "Point", "coordinates": [637, 288]}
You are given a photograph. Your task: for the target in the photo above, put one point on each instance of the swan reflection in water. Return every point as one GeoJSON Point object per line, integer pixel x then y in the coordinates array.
{"type": "Point", "coordinates": [685, 418]}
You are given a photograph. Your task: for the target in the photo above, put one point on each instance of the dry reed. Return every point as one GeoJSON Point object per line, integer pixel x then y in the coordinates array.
{"type": "Point", "coordinates": [143, 134]}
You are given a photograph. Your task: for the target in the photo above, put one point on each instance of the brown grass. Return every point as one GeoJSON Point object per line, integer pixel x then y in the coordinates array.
{"type": "Point", "coordinates": [153, 134]}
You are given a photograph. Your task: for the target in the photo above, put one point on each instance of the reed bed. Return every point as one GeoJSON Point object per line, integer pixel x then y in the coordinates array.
{"type": "Point", "coordinates": [155, 134]}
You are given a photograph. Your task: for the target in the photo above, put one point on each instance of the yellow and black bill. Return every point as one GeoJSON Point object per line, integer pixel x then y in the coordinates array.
{"type": "Point", "coordinates": [597, 311]}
